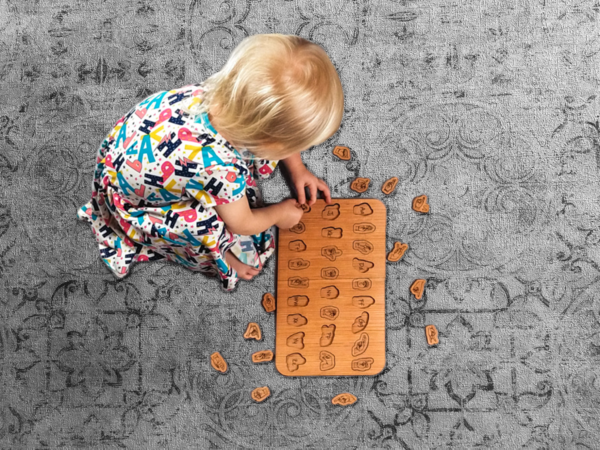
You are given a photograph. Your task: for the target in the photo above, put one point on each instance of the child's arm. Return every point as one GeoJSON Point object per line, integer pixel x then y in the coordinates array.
{"type": "Point", "coordinates": [241, 219]}
{"type": "Point", "coordinates": [301, 177]}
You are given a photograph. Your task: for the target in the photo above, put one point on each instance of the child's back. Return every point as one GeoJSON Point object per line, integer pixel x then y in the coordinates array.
{"type": "Point", "coordinates": [168, 185]}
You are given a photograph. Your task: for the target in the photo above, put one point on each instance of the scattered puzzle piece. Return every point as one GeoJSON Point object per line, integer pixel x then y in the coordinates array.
{"type": "Point", "coordinates": [253, 331]}
{"type": "Point", "coordinates": [342, 152]}
{"type": "Point", "coordinates": [360, 185]}
{"type": "Point", "coordinates": [417, 288]}
{"type": "Point", "coordinates": [344, 399]}
{"type": "Point", "coordinates": [218, 362]}
{"type": "Point", "coordinates": [432, 335]}
{"type": "Point", "coordinates": [389, 185]}
{"type": "Point", "coordinates": [262, 356]}
{"type": "Point", "coordinates": [397, 252]}
{"type": "Point", "coordinates": [420, 204]}
{"type": "Point", "coordinates": [268, 302]}
{"type": "Point", "coordinates": [260, 393]}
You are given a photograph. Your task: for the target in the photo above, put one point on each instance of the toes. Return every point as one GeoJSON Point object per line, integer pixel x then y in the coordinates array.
{"type": "Point", "coordinates": [247, 275]}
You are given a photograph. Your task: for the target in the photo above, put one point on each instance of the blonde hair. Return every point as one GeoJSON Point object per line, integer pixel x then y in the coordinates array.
{"type": "Point", "coordinates": [275, 89]}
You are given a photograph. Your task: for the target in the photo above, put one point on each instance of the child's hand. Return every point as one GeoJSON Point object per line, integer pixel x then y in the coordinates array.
{"type": "Point", "coordinates": [290, 213]}
{"type": "Point", "coordinates": [301, 178]}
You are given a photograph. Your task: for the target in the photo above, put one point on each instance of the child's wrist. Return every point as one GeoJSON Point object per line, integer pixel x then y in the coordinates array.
{"type": "Point", "coordinates": [294, 163]}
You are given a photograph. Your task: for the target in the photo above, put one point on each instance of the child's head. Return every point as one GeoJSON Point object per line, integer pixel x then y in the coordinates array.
{"type": "Point", "coordinates": [275, 96]}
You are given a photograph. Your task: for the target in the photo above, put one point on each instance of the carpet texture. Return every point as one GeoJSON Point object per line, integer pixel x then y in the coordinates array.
{"type": "Point", "coordinates": [489, 107]}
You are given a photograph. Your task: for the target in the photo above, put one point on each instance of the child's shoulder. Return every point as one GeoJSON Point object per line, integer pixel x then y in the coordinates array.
{"type": "Point", "coordinates": [170, 98]}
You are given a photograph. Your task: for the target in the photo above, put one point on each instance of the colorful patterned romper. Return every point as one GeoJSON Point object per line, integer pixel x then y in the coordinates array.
{"type": "Point", "coordinates": [159, 173]}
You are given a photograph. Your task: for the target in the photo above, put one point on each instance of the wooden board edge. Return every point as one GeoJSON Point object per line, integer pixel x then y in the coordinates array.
{"type": "Point", "coordinates": [276, 290]}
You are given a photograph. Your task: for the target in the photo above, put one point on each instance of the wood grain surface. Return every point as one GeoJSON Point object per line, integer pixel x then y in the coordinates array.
{"type": "Point", "coordinates": [331, 291]}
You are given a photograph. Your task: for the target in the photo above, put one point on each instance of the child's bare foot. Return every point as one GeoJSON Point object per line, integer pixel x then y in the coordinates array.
{"type": "Point", "coordinates": [244, 271]}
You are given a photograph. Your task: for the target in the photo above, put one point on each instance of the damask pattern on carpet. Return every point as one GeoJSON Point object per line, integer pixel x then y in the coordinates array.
{"type": "Point", "coordinates": [490, 108]}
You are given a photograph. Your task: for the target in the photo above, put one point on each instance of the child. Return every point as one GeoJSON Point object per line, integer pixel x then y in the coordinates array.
{"type": "Point", "coordinates": [176, 177]}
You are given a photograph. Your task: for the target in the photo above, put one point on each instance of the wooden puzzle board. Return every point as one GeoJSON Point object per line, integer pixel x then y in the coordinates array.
{"type": "Point", "coordinates": [331, 272]}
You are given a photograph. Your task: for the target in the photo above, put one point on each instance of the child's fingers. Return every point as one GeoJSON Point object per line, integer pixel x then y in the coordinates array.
{"type": "Point", "coordinates": [325, 190]}
{"type": "Point", "coordinates": [301, 194]}
{"type": "Point", "coordinates": [313, 193]}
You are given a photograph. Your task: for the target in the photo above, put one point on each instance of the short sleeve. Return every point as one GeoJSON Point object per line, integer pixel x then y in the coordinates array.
{"type": "Point", "coordinates": [217, 184]}
{"type": "Point", "coordinates": [265, 167]}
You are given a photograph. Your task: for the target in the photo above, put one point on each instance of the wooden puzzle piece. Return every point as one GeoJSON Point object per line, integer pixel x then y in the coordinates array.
{"type": "Point", "coordinates": [397, 252]}
{"type": "Point", "coordinates": [360, 323]}
{"type": "Point", "coordinates": [330, 292]}
{"type": "Point", "coordinates": [294, 360]}
{"type": "Point", "coordinates": [253, 331]}
{"type": "Point", "coordinates": [362, 364]}
{"type": "Point", "coordinates": [362, 209]}
{"type": "Point", "coordinates": [331, 252]}
{"type": "Point", "coordinates": [298, 264]}
{"type": "Point", "coordinates": [342, 152]}
{"type": "Point", "coordinates": [260, 393]}
{"type": "Point", "coordinates": [327, 335]}
{"type": "Point", "coordinates": [297, 300]}
{"type": "Point", "coordinates": [296, 320]}
{"type": "Point", "coordinates": [297, 246]}
{"type": "Point", "coordinates": [360, 185]}
{"type": "Point", "coordinates": [268, 302]}
{"type": "Point", "coordinates": [298, 228]}
{"type": "Point", "coordinates": [218, 362]}
{"type": "Point", "coordinates": [327, 360]}
{"type": "Point", "coordinates": [331, 232]}
{"type": "Point", "coordinates": [330, 312]}
{"type": "Point", "coordinates": [305, 208]}
{"type": "Point", "coordinates": [298, 282]}
{"type": "Point", "coordinates": [417, 288]}
{"type": "Point", "coordinates": [389, 185]}
{"type": "Point", "coordinates": [362, 265]}
{"type": "Point", "coordinates": [331, 212]}
{"type": "Point", "coordinates": [361, 284]}
{"type": "Point", "coordinates": [329, 273]}
{"type": "Point", "coordinates": [262, 356]}
{"type": "Point", "coordinates": [363, 228]}
{"type": "Point", "coordinates": [362, 301]}
{"type": "Point", "coordinates": [344, 399]}
{"type": "Point", "coordinates": [365, 247]}
{"type": "Point", "coordinates": [296, 340]}
{"type": "Point", "coordinates": [420, 204]}
{"type": "Point", "coordinates": [360, 346]}
{"type": "Point", "coordinates": [431, 333]}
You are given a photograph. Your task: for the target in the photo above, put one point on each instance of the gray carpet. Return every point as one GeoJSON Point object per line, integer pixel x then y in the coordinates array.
{"type": "Point", "coordinates": [490, 108]}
